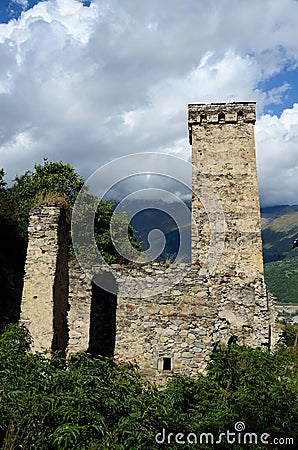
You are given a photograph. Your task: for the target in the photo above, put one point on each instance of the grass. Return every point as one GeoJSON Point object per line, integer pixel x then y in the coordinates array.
{"type": "Point", "coordinates": [52, 199]}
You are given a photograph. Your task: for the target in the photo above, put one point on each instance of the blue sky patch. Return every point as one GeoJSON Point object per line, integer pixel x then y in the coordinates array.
{"type": "Point", "coordinates": [282, 89]}
{"type": "Point", "coordinates": [12, 9]}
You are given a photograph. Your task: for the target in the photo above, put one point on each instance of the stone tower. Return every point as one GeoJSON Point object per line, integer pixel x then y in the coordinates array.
{"type": "Point", "coordinates": [223, 151]}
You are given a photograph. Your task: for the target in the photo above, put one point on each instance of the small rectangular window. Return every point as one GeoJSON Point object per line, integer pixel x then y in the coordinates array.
{"type": "Point", "coordinates": [167, 364]}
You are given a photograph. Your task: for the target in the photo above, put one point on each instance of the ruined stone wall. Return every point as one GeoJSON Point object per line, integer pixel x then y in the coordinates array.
{"type": "Point", "coordinates": [167, 319]}
{"type": "Point", "coordinates": [150, 329]}
{"type": "Point", "coordinates": [173, 332]}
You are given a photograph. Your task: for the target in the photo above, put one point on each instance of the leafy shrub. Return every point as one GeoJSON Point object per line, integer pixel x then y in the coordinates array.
{"type": "Point", "coordinates": [93, 403]}
{"type": "Point", "coordinates": [289, 333]}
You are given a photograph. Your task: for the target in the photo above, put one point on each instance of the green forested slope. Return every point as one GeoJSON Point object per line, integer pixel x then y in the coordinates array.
{"type": "Point", "coordinates": [282, 279]}
{"type": "Point", "coordinates": [279, 229]}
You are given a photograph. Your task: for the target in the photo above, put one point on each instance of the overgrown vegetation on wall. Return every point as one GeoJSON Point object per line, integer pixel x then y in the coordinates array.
{"type": "Point", "coordinates": [87, 403]}
{"type": "Point", "coordinates": [57, 183]}
{"type": "Point", "coordinates": [49, 183]}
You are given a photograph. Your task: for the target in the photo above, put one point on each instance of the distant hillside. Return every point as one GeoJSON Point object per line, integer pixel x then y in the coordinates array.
{"type": "Point", "coordinates": [282, 279]}
{"type": "Point", "coordinates": [156, 218]}
{"type": "Point", "coordinates": [279, 229]}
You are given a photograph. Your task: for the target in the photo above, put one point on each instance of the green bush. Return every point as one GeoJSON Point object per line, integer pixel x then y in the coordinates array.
{"type": "Point", "coordinates": [93, 403]}
{"type": "Point", "coordinates": [289, 334]}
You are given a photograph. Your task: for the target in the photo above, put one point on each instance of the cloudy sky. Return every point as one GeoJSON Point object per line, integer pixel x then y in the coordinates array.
{"type": "Point", "coordinates": [88, 81]}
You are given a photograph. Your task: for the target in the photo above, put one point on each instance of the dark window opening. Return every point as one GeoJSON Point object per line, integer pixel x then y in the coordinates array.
{"type": "Point", "coordinates": [239, 115]}
{"type": "Point", "coordinates": [167, 364]}
{"type": "Point", "coordinates": [203, 118]}
{"type": "Point", "coordinates": [233, 340]}
{"type": "Point", "coordinates": [221, 117]}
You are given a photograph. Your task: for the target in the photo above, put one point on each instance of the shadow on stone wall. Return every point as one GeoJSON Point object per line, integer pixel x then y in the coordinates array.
{"type": "Point", "coordinates": [103, 317]}
{"type": "Point", "coordinates": [10, 299]}
{"type": "Point", "coordinates": [60, 289]}
{"type": "Point", "coordinates": [12, 262]}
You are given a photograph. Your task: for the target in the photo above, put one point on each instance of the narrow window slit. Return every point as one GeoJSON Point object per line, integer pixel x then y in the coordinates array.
{"type": "Point", "coordinates": [221, 117]}
{"type": "Point", "coordinates": [167, 364]}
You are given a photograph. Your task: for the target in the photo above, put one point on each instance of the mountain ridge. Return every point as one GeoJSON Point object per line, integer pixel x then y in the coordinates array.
{"type": "Point", "coordinates": [279, 229]}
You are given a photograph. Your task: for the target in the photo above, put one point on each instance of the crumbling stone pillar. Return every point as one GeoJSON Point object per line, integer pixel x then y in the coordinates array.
{"type": "Point", "coordinates": [45, 293]}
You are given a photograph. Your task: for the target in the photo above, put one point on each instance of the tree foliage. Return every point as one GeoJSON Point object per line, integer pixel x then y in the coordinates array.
{"type": "Point", "coordinates": [48, 177]}
{"type": "Point", "coordinates": [2, 181]}
{"type": "Point", "coordinates": [289, 334]}
{"type": "Point", "coordinates": [60, 178]}
{"type": "Point", "coordinates": [92, 403]}
{"type": "Point", "coordinates": [103, 219]}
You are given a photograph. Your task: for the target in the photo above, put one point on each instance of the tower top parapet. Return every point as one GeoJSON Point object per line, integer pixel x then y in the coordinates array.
{"type": "Point", "coordinates": [221, 113]}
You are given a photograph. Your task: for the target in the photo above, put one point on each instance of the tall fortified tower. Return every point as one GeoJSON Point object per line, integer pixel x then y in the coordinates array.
{"type": "Point", "coordinates": [223, 151]}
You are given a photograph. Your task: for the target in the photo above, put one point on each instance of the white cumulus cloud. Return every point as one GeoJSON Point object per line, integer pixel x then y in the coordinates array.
{"type": "Point", "coordinates": [88, 84]}
{"type": "Point", "coordinates": [277, 151]}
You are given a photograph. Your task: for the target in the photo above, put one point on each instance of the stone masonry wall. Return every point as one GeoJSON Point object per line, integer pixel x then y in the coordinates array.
{"type": "Point", "coordinates": [80, 293]}
{"type": "Point", "coordinates": [180, 326]}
